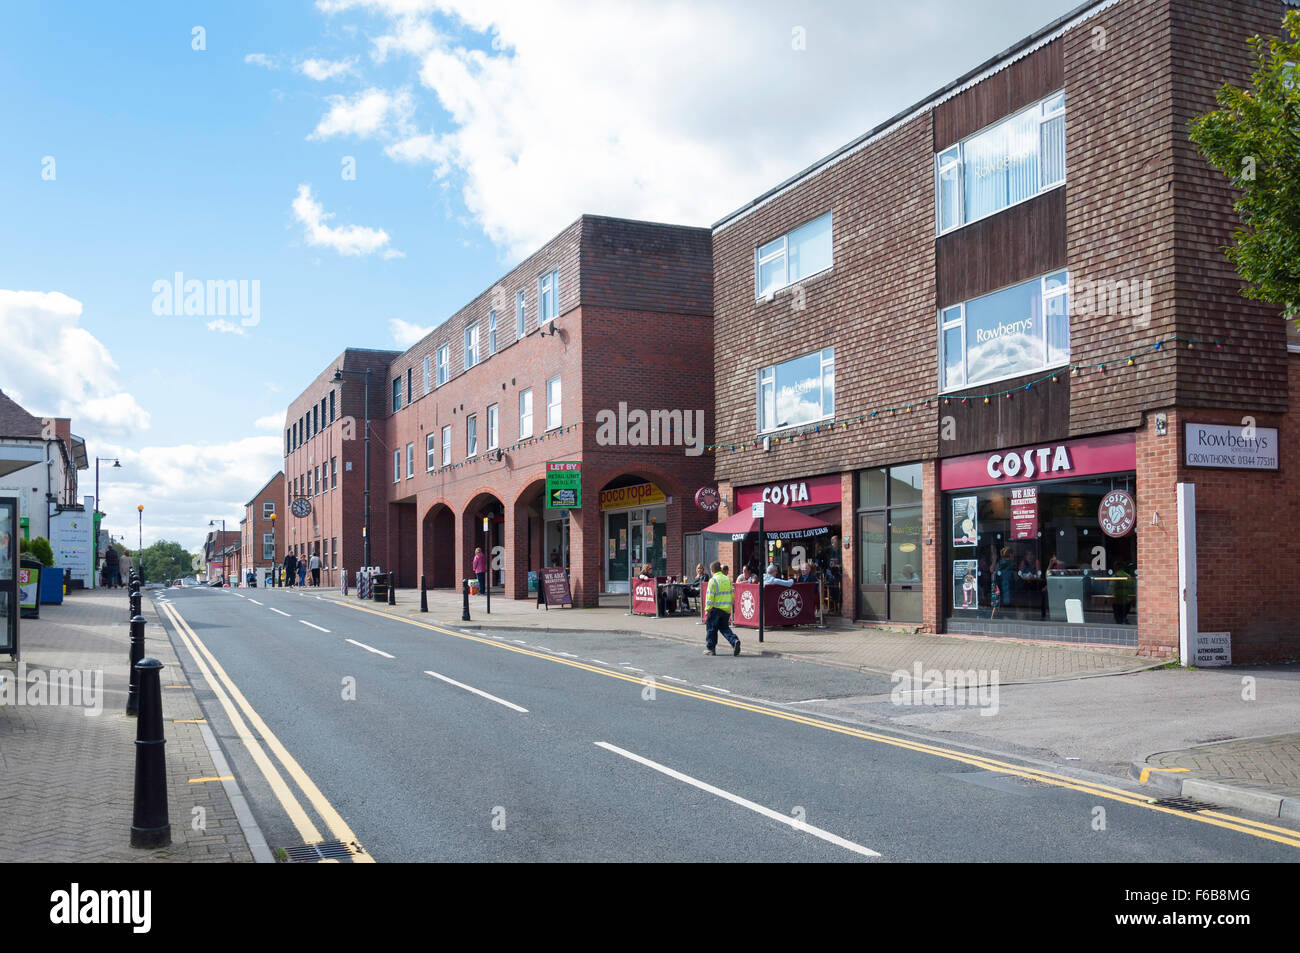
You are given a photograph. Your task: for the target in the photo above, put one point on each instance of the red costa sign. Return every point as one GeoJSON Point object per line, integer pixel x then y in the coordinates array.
{"type": "Point", "coordinates": [1117, 514]}
{"type": "Point", "coordinates": [1114, 453]}
{"type": "Point", "coordinates": [814, 491]}
{"type": "Point", "coordinates": [707, 498]}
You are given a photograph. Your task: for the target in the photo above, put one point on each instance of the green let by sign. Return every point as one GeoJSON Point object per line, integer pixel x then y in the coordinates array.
{"type": "Point", "coordinates": [564, 485]}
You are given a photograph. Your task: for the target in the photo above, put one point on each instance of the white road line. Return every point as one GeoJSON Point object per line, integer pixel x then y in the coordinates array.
{"type": "Point", "coordinates": [598, 661]}
{"type": "Point", "coordinates": [499, 701]}
{"type": "Point", "coordinates": [767, 812]}
{"type": "Point", "coordinates": [237, 594]}
{"type": "Point", "coordinates": [715, 688]}
{"type": "Point", "coordinates": [568, 655]}
{"type": "Point", "coordinates": [808, 701]}
{"type": "Point", "coordinates": [274, 609]}
{"type": "Point", "coordinates": [253, 601]}
{"type": "Point", "coordinates": [674, 678]}
{"type": "Point", "coordinates": [632, 668]}
{"type": "Point", "coordinates": [313, 625]}
{"type": "Point", "coordinates": [368, 648]}
{"type": "Point", "coordinates": [519, 641]}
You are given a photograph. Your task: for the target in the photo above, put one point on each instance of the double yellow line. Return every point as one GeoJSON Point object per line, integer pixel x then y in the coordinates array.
{"type": "Point", "coordinates": [246, 721]}
{"type": "Point", "coordinates": [1272, 832]}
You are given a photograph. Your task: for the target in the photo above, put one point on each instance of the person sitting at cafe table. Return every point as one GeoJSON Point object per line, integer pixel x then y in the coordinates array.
{"type": "Point", "coordinates": [773, 577]}
{"type": "Point", "coordinates": [809, 573]}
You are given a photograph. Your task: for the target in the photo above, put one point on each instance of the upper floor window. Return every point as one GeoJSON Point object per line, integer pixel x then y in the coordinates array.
{"type": "Point", "coordinates": [492, 333]}
{"type": "Point", "coordinates": [397, 466]}
{"type": "Point", "coordinates": [268, 545]}
{"type": "Point", "coordinates": [519, 314]}
{"type": "Point", "coordinates": [397, 394]}
{"type": "Point", "coordinates": [493, 426]}
{"type": "Point", "coordinates": [331, 406]}
{"type": "Point", "coordinates": [525, 413]}
{"type": "Point", "coordinates": [793, 257]}
{"type": "Point", "coordinates": [268, 508]}
{"type": "Point", "coordinates": [1009, 162]}
{"type": "Point", "coordinates": [471, 435]}
{"type": "Point", "coordinates": [552, 403]}
{"type": "Point", "coordinates": [410, 460]}
{"type": "Point", "coordinates": [410, 386]}
{"type": "Point", "coordinates": [444, 358]}
{"type": "Point", "coordinates": [548, 297]}
{"type": "Point", "coordinates": [797, 392]}
{"type": "Point", "coordinates": [446, 446]}
{"type": "Point", "coordinates": [334, 473]}
{"type": "Point", "coordinates": [430, 460]}
{"type": "Point", "coordinates": [1014, 331]}
{"type": "Point", "coordinates": [471, 346]}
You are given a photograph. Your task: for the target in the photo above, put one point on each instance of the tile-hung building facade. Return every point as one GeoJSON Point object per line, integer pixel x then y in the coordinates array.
{"type": "Point", "coordinates": [597, 351]}
{"type": "Point", "coordinates": [995, 342]}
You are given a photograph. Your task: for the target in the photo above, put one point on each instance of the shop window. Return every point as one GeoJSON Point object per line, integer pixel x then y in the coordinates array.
{"type": "Point", "coordinates": [799, 391]}
{"type": "Point", "coordinates": [889, 543]}
{"type": "Point", "coordinates": [1011, 161]}
{"type": "Point", "coordinates": [1015, 331]}
{"type": "Point", "coordinates": [793, 257]}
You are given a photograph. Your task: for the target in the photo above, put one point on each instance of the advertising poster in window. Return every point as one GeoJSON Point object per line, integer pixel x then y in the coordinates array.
{"type": "Point", "coordinates": [1024, 512]}
{"type": "Point", "coordinates": [965, 584]}
{"type": "Point", "coordinates": [965, 522]}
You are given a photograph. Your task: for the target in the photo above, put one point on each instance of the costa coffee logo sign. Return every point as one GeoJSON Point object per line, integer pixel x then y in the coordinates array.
{"type": "Point", "coordinates": [790, 603]}
{"type": "Point", "coordinates": [644, 590]}
{"type": "Point", "coordinates": [1117, 513]}
{"type": "Point", "coordinates": [707, 498]}
{"type": "Point", "coordinates": [748, 604]}
{"type": "Point", "coordinates": [1029, 463]}
{"type": "Point", "coordinates": [786, 493]}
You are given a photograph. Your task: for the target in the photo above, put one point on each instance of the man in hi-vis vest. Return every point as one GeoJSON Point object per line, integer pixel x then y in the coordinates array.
{"type": "Point", "coordinates": [718, 602]}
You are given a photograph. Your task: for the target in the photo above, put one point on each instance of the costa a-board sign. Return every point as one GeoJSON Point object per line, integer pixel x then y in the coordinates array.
{"type": "Point", "coordinates": [554, 587]}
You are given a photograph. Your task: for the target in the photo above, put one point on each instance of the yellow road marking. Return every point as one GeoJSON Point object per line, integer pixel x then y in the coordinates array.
{"type": "Point", "coordinates": [332, 818]}
{"type": "Point", "coordinates": [227, 777]}
{"type": "Point", "coordinates": [1146, 772]}
{"type": "Point", "coordinates": [189, 721]}
{"type": "Point", "coordinates": [175, 686]}
{"type": "Point", "coordinates": [1259, 829]}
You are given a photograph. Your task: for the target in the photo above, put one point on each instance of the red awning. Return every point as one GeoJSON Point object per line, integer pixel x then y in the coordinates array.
{"type": "Point", "coordinates": [779, 522]}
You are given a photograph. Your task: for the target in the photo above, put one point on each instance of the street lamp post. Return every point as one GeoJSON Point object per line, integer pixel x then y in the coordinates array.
{"type": "Point", "coordinates": [225, 570]}
{"type": "Point", "coordinates": [117, 465]}
{"type": "Point", "coordinates": [338, 379]}
{"type": "Point", "coordinates": [275, 566]}
{"type": "Point", "coordinates": [139, 550]}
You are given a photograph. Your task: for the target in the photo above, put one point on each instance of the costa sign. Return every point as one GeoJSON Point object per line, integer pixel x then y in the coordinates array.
{"type": "Point", "coordinates": [1090, 456]}
{"type": "Point", "coordinates": [1117, 513]}
{"type": "Point", "coordinates": [814, 491]}
{"type": "Point", "coordinates": [708, 499]}
{"type": "Point", "coordinates": [1030, 462]}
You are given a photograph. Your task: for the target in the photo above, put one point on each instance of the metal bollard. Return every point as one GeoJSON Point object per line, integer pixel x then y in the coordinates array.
{"type": "Point", "coordinates": [150, 827]}
{"type": "Point", "coordinates": [392, 589]}
{"type": "Point", "coordinates": [424, 595]}
{"type": "Point", "coordinates": [136, 601]}
{"type": "Point", "coordinates": [136, 654]}
{"type": "Point", "coordinates": [464, 612]}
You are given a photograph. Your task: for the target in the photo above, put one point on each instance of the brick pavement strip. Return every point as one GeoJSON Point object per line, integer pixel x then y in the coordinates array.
{"type": "Point", "coordinates": [1272, 762]}
{"type": "Point", "coordinates": [67, 779]}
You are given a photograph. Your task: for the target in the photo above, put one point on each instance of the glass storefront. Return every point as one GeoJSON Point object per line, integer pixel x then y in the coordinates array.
{"type": "Point", "coordinates": [634, 537]}
{"type": "Point", "coordinates": [555, 540]}
{"type": "Point", "coordinates": [1043, 553]}
{"type": "Point", "coordinates": [889, 544]}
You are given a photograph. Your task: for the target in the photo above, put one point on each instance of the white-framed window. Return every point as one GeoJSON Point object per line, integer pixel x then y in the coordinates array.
{"type": "Point", "coordinates": [525, 413]}
{"type": "Point", "coordinates": [471, 435]}
{"type": "Point", "coordinates": [796, 392]}
{"type": "Point", "coordinates": [471, 346]}
{"type": "Point", "coordinates": [548, 297]}
{"type": "Point", "coordinates": [793, 256]}
{"type": "Point", "coordinates": [334, 473]}
{"type": "Point", "coordinates": [268, 509]}
{"type": "Point", "coordinates": [1013, 331]}
{"type": "Point", "coordinates": [552, 403]}
{"type": "Point", "coordinates": [446, 446]}
{"type": "Point", "coordinates": [397, 394]}
{"type": "Point", "coordinates": [268, 545]}
{"type": "Point", "coordinates": [493, 426]}
{"type": "Point", "coordinates": [444, 359]}
{"type": "Point", "coordinates": [492, 332]}
{"type": "Point", "coordinates": [309, 487]}
{"type": "Point", "coordinates": [428, 377]}
{"type": "Point", "coordinates": [1002, 165]}
{"type": "Point", "coordinates": [397, 466]}
{"type": "Point", "coordinates": [520, 326]}
{"type": "Point", "coordinates": [410, 460]}
{"type": "Point", "coordinates": [430, 452]}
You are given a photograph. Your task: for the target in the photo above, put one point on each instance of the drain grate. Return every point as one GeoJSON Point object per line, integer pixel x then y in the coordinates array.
{"type": "Point", "coordinates": [314, 853]}
{"type": "Point", "coordinates": [1190, 805]}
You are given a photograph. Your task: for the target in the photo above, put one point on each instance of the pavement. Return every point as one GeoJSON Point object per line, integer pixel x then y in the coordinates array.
{"type": "Point", "coordinates": [1217, 736]}
{"type": "Point", "coordinates": [67, 770]}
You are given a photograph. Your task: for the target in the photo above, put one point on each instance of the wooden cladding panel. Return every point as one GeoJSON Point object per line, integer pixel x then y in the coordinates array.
{"type": "Point", "coordinates": [1025, 81]}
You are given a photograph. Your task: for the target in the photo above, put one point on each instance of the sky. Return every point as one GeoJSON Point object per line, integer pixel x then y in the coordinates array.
{"type": "Point", "coordinates": [353, 172]}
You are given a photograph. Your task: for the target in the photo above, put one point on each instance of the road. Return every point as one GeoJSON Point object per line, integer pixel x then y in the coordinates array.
{"type": "Point", "coordinates": [424, 743]}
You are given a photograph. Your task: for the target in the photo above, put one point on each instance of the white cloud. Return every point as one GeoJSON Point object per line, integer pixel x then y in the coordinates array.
{"type": "Point", "coordinates": [224, 326]}
{"type": "Point", "coordinates": [321, 70]}
{"type": "Point", "coordinates": [54, 367]}
{"type": "Point", "coordinates": [271, 422]}
{"type": "Point", "coordinates": [669, 112]}
{"type": "Point", "coordinates": [261, 59]}
{"type": "Point", "coordinates": [405, 333]}
{"type": "Point", "coordinates": [371, 112]}
{"type": "Point", "coordinates": [344, 239]}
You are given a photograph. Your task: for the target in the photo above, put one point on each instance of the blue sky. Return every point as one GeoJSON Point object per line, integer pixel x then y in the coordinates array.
{"type": "Point", "coordinates": [476, 130]}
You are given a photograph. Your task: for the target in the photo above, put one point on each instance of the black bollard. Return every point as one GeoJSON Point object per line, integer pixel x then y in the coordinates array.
{"type": "Point", "coordinates": [424, 595]}
{"type": "Point", "coordinates": [464, 612]}
{"type": "Point", "coordinates": [392, 590]}
{"type": "Point", "coordinates": [135, 601]}
{"type": "Point", "coordinates": [150, 827]}
{"type": "Point", "coordinates": [137, 653]}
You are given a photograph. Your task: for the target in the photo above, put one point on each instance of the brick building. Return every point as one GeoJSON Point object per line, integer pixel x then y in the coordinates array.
{"type": "Point", "coordinates": [595, 350]}
{"type": "Point", "coordinates": [261, 548]}
{"type": "Point", "coordinates": [1002, 322]}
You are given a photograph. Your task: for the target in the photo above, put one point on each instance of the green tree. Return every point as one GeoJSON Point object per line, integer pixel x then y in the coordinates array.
{"type": "Point", "coordinates": [39, 548]}
{"type": "Point", "coordinates": [1254, 139]}
{"type": "Point", "coordinates": [164, 560]}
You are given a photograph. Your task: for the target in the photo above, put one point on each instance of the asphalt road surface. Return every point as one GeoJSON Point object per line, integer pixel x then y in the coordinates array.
{"type": "Point", "coordinates": [420, 742]}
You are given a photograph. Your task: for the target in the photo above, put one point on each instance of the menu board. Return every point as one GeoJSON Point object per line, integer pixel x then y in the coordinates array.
{"type": "Point", "coordinates": [554, 590]}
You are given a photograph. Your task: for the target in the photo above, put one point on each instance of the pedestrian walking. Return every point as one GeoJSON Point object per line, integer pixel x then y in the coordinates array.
{"type": "Point", "coordinates": [111, 568]}
{"type": "Point", "coordinates": [480, 570]}
{"type": "Point", "coordinates": [315, 570]}
{"type": "Point", "coordinates": [302, 572]}
{"type": "Point", "coordinates": [718, 602]}
{"type": "Point", "coordinates": [290, 566]}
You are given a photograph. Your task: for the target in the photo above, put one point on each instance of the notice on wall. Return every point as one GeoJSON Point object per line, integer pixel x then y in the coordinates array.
{"type": "Point", "coordinates": [1024, 512]}
{"type": "Point", "coordinates": [1212, 648]}
{"type": "Point", "coordinates": [1231, 446]}
{"type": "Point", "coordinates": [965, 522]}
{"type": "Point", "coordinates": [965, 584]}
{"type": "Point", "coordinates": [70, 538]}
